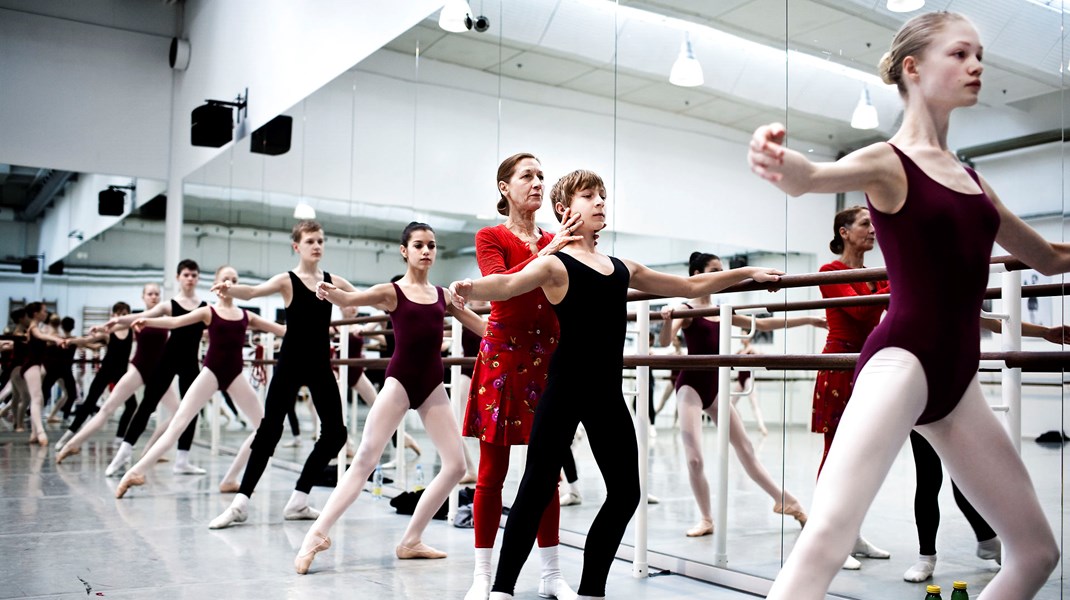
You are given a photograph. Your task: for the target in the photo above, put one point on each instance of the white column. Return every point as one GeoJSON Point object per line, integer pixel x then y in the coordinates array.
{"type": "Point", "coordinates": [1011, 341]}
{"type": "Point", "coordinates": [724, 408]}
{"type": "Point", "coordinates": [640, 566]}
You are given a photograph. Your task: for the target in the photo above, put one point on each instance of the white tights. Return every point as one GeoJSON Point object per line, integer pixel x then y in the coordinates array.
{"type": "Point", "coordinates": [689, 406]}
{"type": "Point", "coordinates": [889, 396]}
{"type": "Point", "coordinates": [129, 383]}
{"type": "Point", "coordinates": [383, 419]}
{"type": "Point", "coordinates": [198, 394]}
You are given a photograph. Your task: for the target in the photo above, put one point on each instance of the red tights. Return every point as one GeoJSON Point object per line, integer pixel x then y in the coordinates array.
{"type": "Point", "coordinates": [487, 505]}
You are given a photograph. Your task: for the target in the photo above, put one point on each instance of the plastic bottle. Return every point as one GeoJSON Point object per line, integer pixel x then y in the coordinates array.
{"type": "Point", "coordinates": [933, 593]}
{"type": "Point", "coordinates": [958, 591]}
{"type": "Point", "coordinates": [419, 478]}
{"type": "Point", "coordinates": [377, 482]}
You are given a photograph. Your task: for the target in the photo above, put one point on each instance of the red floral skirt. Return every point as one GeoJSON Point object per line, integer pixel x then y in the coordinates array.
{"type": "Point", "coordinates": [507, 382]}
{"type": "Point", "coordinates": [832, 391]}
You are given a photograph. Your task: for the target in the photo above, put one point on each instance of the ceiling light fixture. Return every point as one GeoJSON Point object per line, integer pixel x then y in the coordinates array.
{"type": "Point", "coordinates": [903, 6]}
{"type": "Point", "coordinates": [865, 115]}
{"type": "Point", "coordinates": [686, 71]}
{"type": "Point", "coordinates": [456, 16]}
{"type": "Point", "coordinates": [304, 211]}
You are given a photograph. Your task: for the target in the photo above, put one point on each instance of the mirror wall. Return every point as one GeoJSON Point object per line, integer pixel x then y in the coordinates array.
{"type": "Point", "coordinates": [416, 131]}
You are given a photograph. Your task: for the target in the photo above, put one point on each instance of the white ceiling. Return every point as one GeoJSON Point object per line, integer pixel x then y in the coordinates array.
{"type": "Point", "coordinates": [590, 46]}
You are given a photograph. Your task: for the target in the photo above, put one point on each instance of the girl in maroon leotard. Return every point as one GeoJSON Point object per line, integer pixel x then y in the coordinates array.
{"type": "Point", "coordinates": [696, 393]}
{"type": "Point", "coordinates": [33, 369]}
{"type": "Point", "coordinates": [149, 348]}
{"type": "Point", "coordinates": [222, 372]}
{"type": "Point", "coordinates": [918, 369]}
{"type": "Point", "coordinates": [413, 380]}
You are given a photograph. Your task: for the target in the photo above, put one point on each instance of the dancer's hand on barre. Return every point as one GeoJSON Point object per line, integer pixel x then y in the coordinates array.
{"type": "Point", "coordinates": [460, 290]}
{"type": "Point", "coordinates": [138, 325]}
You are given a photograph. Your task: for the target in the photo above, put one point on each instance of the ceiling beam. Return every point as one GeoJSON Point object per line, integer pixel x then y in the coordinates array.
{"type": "Point", "coordinates": [52, 186]}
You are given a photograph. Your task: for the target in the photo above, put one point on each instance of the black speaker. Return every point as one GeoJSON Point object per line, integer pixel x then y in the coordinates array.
{"type": "Point", "coordinates": [56, 268]}
{"type": "Point", "coordinates": [28, 265]}
{"type": "Point", "coordinates": [212, 125]}
{"type": "Point", "coordinates": [274, 137]}
{"type": "Point", "coordinates": [155, 209]}
{"type": "Point", "coordinates": [110, 203]}
{"type": "Point", "coordinates": [737, 261]}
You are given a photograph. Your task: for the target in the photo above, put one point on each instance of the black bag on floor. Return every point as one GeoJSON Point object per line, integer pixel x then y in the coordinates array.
{"type": "Point", "coordinates": [405, 503]}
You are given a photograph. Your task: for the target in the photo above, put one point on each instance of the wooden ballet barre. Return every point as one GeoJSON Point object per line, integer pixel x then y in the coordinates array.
{"type": "Point", "coordinates": [829, 277]}
{"type": "Point", "coordinates": [1027, 361]}
{"type": "Point", "coordinates": [1028, 291]}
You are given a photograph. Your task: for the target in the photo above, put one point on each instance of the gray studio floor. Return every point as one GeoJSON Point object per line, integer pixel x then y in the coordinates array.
{"type": "Point", "coordinates": [65, 533]}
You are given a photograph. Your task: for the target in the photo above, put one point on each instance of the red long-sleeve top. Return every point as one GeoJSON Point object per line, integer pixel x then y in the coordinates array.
{"type": "Point", "coordinates": [498, 250]}
{"type": "Point", "coordinates": [850, 326]}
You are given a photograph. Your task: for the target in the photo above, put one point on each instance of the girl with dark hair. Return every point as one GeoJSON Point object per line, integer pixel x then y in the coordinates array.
{"type": "Point", "coordinates": [696, 393]}
{"type": "Point", "coordinates": [588, 291]}
{"type": "Point", "coordinates": [918, 369]}
{"type": "Point", "coordinates": [33, 368]}
{"type": "Point", "coordinates": [413, 381]}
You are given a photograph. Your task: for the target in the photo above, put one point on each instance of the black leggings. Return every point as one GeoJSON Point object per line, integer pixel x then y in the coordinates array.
{"type": "Point", "coordinates": [608, 423]}
{"type": "Point", "coordinates": [159, 381]}
{"type": "Point", "coordinates": [65, 375]}
{"type": "Point", "coordinates": [930, 476]}
{"type": "Point", "coordinates": [105, 376]}
{"type": "Point", "coordinates": [568, 465]}
{"type": "Point", "coordinates": [282, 394]}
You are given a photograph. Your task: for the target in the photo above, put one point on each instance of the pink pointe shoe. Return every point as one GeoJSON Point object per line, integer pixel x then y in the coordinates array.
{"type": "Point", "coordinates": [793, 510]}
{"type": "Point", "coordinates": [129, 480]}
{"type": "Point", "coordinates": [304, 560]}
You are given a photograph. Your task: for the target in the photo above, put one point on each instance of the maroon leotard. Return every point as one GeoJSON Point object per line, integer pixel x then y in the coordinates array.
{"type": "Point", "coordinates": [226, 339]}
{"type": "Point", "coordinates": [702, 336]}
{"type": "Point", "coordinates": [935, 321]}
{"type": "Point", "coordinates": [150, 344]}
{"type": "Point", "coordinates": [35, 353]}
{"type": "Point", "coordinates": [417, 361]}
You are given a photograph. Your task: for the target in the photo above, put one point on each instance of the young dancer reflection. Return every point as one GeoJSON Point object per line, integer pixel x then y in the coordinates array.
{"type": "Point", "coordinates": [588, 291]}
{"type": "Point", "coordinates": [907, 377]}
{"type": "Point", "coordinates": [696, 393]}
{"type": "Point", "coordinates": [222, 371]}
{"type": "Point", "coordinates": [413, 381]}
{"type": "Point", "coordinates": [33, 368]}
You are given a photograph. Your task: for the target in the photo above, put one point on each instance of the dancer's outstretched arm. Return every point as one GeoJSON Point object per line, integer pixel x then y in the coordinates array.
{"type": "Point", "coordinates": [202, 315]}
{"type": "Point", "coordinates": [664, 284]}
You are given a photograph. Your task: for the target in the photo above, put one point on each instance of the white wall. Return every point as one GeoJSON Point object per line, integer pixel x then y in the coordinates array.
{"type": "Point", "coordinates": [84, 98]}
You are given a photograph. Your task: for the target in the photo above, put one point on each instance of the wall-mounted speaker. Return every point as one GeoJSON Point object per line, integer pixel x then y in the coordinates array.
{"type": "Point", "coordinates": [212, 125]}
{"type": "Point", "coordinates": [110, 203]}
{"type": "Point", "coordinates": [155, 209]}
{"type": "Point", "coordinates": [274, 137]}
{"type": "Point", "coordinates": [56, 268]}
{"type": "Point", "coordinates": [28, 265]}
{"type": "Point", "coordinates": [178, 57]}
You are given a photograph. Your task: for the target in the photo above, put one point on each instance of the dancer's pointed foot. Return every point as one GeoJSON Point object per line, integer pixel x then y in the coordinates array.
{"type": "Point", "coordinates": [419, 550]}
{"type": "Point", "coordinates": [129, 480]}
{"type": "Point", "coordinates": [66, 451]}
{"type": "Point", "coordinates": [304, 513]}
{"type": "Point", "coordinates": [304, 559]}
{"type": "Point", "coordinates": [792, 510]}
{"type": "Point", "coordinates": [704, 527]}
{"type": "Point", "coordinates": [411, 443]}
{"type": "Point", "coordinates": [232, 516]}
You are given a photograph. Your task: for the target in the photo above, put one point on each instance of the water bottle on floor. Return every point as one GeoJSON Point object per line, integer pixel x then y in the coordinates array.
{"type": "Point", "coordinates": [933, 593]}
{"type": "Point", "coordinates": [958, 591]}
{"type": "Point", "coordinates": [419, 478]}
{"type": "Point", "coordinates": [377, 482]}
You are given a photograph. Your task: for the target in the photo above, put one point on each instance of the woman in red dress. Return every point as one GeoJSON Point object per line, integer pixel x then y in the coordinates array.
{"type": "Point", "coordinates": [510, 371]}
